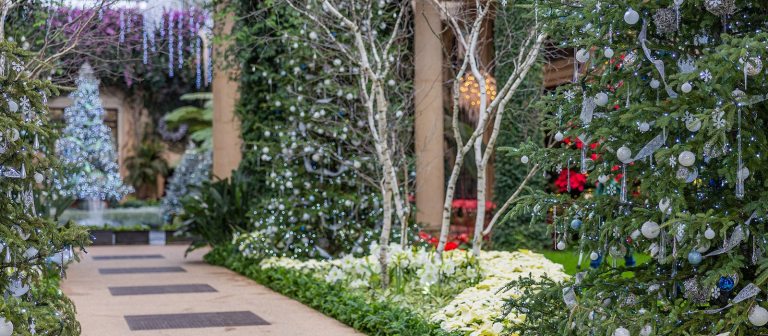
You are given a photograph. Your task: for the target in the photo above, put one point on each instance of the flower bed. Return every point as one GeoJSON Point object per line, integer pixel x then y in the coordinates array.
{"type": "Point", "coordinates": [459, 295]}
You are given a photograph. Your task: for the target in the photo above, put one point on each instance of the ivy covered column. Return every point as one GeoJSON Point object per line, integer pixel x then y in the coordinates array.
{"type": "Point", "coordinates": [227, 144]}
{"type": "Point", "coordinates": [428, 86]}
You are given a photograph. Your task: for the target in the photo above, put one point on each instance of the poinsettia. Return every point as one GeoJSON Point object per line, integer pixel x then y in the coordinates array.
{"type": "Point", "coordinates": [577, 181]}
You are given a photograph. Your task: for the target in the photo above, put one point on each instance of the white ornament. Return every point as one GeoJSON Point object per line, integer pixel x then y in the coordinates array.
{"type": "Point", "coordinates": [631, 16]}
{"type": "Point", "coordinates": [644, 127]}
{"type": "Point", "coordinates": [601, 99]}
{"type": "Point", "coordinates": [337, 62]}
{"type": "Point", "coordinates": [608, 52]}
{"type": "Point", "coordinates": [12, 105]}
{"type": "Point", "coordinates": [621, 331]}
{"type": "Point", "coordinates": [17, 289]}
{"type": "Point", "coordinates": [753, 66]}
{"type": "Point", "coordinates": [742, 174]}
{"type": "Point", "coordinates": [602, 179]}
{"type": "Point", "coordinates": [758, 316]}
{"type": "Point", "coordinates": [686, 158]}
{"type": "Point", "coordinates": [582, 55]}
{"type": "Point", "coordinates": [648, 330]}
{"type": "Point", "coordinates": [313, 35]}
{"type": "Point", "coordinates": [39, 178]}
{"type": "Point", "coordinates": [686, 87]}
{"type": "Point", "coordinates": [31, 253]}
{"type": "Point", "coordinates": [665, 205]}
{"type": "Point", "coordinates": [561, 245]}
{"type": "Point", "coordinates": [650, 229]}
{"type": "Point", "coordinates": [559, 136]}
{"type": "Point", "coordinates": [693, 125]}
{"type": "Point", "coordinates": [6, 327]}
{"type": "Point", "coordinates": [709, 233]}
{"type": "Point", "coordinates": [655, 83]}
{"type": "Point", "coordinates": [624, 154]}
{"type": "Point", "coordinates": [525, 159]}
{"type": "Point", "coordinates": [594, 256]}
{"type": "Point", "coordinates": [679, 2]}
{"type": "Point", "coordinates": [635, 234]}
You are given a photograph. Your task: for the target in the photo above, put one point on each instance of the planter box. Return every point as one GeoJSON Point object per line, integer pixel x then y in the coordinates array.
{"type": "Point", "coordinates": [171, 239]}
{"type": "Point", "coordinates": [102, 237]}
{"type": "Point", "coordinates": [132, 237]}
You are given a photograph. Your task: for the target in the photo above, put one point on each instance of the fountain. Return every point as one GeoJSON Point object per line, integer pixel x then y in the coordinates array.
{"type": "Point", "coordinates": [95, 213]}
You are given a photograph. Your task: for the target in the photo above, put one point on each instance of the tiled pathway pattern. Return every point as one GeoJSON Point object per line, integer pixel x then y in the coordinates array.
{"type": "Point", "coordinates": [154, 290]}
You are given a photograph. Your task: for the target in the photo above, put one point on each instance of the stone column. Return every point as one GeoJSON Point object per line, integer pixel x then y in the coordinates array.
{"type": "Point", "coordinates": [227, 144]}
{"type": "Point", "coordinates": [428, 100]}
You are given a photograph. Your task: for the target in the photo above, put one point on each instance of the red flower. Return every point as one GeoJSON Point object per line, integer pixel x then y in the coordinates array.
{"type": "Point", "coordinates": [424, 236]}
{"type": "Point", "coordinates": [451, 246]}
{"type": "Point", "coordinates": [577, 181]}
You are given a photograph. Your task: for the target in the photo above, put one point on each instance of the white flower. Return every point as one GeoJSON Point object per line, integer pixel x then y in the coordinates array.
{"type": "Point", "coordinates": [334, 275]}
{"type": "Point", "coordinates": [358, 283]}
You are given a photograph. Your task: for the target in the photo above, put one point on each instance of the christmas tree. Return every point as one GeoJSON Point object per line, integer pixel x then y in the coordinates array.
{"type": "Point", "coordinates": [192, 170]}
{"type": "Point", "coordinates": [33, 249]}
{"type": "Point", "coordinates": [321, 196]}
{"type": "Point", "coordinates": [668, 112]}
{"type": "Point", "coordinates": [86, 147]}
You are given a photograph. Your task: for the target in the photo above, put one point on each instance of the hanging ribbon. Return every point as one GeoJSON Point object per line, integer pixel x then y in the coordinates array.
{"type": "Point", "coordinates": [749, 291]}
{"type": "Point", "coordinates": [657, 63]}
{"type": "Point", "coordinates": [569, 297]}
{"type": "Point", "coordinates": [587, 109]}
{"type": "Point", "coordinates": [651, 147]}
{"type": "Point", "coordinates": [736, 238]}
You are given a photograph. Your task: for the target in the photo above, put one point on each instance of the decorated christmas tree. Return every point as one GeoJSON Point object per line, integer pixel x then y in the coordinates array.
{"type": "Point", "coordinates": [192, 170]}
{"type": "Point", "coordinates": [670, 97]}
{"type": "Point", "coordinates": [86, 146]}
{"type": "Point", "coordinates": [321, 197]}
{"type": "Point", "coordinates": [33, 249]}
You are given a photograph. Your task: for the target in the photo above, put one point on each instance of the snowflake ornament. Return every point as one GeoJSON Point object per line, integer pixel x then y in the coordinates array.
{"type": "Point", "coordinates": [569, 95]}
{"type": "Point", "coordinates": [559, 168]}
{"type": "Point", "coordinates": [705, 75]}
{"type": "Point", "coordinates": [672, 161]}
{"type": "Point", "coordinates": [688, 117]}
{"type": "Point", "coordinates": [687, 65]}
{"type": "Point", "coordinates": [717, 118]}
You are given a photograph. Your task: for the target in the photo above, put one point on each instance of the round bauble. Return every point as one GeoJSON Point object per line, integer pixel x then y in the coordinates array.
{"type": "Point", "coordinates": [608, 52]}
{"type": "Point", "coordinates": [686, 87]}
{"type": "Point", "coordinates": [17, 288]}
{"type": "Point", "coordinates": [665, 205]}
{"type": "Point", "coordinates": [644, 127]}
{"type": "Point", "coordinates": [654, 83]}
{"type": "Point", "coordinates": [313, 35]}
{"type": "Point", "coordinates": [12, 105]}
{"type": "Point", "coordinates": [594, 256]}
{"type": "Point", "coordinates": [602, 179]}
{"type": "Point", "coordinates": [576, 224]}
{"type": "Point", "coordinates": [631, 16]}
{"type": "Point", "coordinates": [337, 62]}
{"type": "Point", "coordinates": [559, 136]}
{"type": "Point", "coordinates": [39, 178]}
{"type": "Point", "coordinates": [758, 316]}
{"type": "Point", "coordinates": [621, 331]}
{"type": "Point", "coordinates": [6, 327]}
{"type": "Point", "coordinates": [635, 234]}
{"type": "Point", "coordinates": [582, 55]}
{"type": "Point", "coordinates": [525, 159]}
{"type": "Point", "coordinates": [709, 233]}
{"type": "Point", "coordinates": [624, 154]}
{"type": "Point", "coordinates": [650, 229]}
{"type": "Point", "coordinates": [753, 66]}
{"type": "Point", "coordinates": [601, 99]}
{"type": "Point", "coordinates": [561, 245]}
{"type": "Point", "coordinates": [742, 174]}
{"type": "Point", "coordinates": [647, 330]}
{"type": "Point", "coordinates": [694, 257]}
{"type": "Point", "coordinates": [693, 125]}
{"type": "Point", "coordinates": [686, 158]}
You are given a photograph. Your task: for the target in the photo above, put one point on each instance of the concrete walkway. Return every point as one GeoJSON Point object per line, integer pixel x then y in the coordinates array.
{"type": "Point", "coordinates": [121, 290]}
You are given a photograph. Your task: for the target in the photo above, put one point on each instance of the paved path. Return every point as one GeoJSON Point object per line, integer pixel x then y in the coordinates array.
{"type": "Point", "coordinates": [113, 300]}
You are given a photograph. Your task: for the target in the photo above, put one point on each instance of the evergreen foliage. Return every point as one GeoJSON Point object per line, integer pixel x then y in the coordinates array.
{"type": "Point", "coordinates": [193, 169]}
{"type": "Point", "coordinates": [32, 248]}
{"type": "Point", "coordinates": [676, 127]}
{"type": "Point", "coordinates": [302, 139]}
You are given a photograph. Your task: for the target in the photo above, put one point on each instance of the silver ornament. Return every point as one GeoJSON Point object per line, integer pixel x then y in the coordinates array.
{"type": "Point", "coordinates": [720, 7]}
{"type": "Point", "coordinates": [665, 20]}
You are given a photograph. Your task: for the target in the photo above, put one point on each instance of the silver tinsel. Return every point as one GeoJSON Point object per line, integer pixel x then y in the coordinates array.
{"type": "Point", "coordinates": [665, 20]}
{"type": "Point", "coordinates": [720, 7]}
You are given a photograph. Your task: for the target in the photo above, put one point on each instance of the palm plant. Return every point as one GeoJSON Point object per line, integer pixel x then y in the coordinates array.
{"type": "Point", "coordinates": [146, 166]}
{"type": "Point", "coordinates": [198, 119]}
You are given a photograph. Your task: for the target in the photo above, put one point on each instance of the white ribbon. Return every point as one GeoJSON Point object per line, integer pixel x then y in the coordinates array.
{"type": "Point", "coordinates": [657, 63]}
